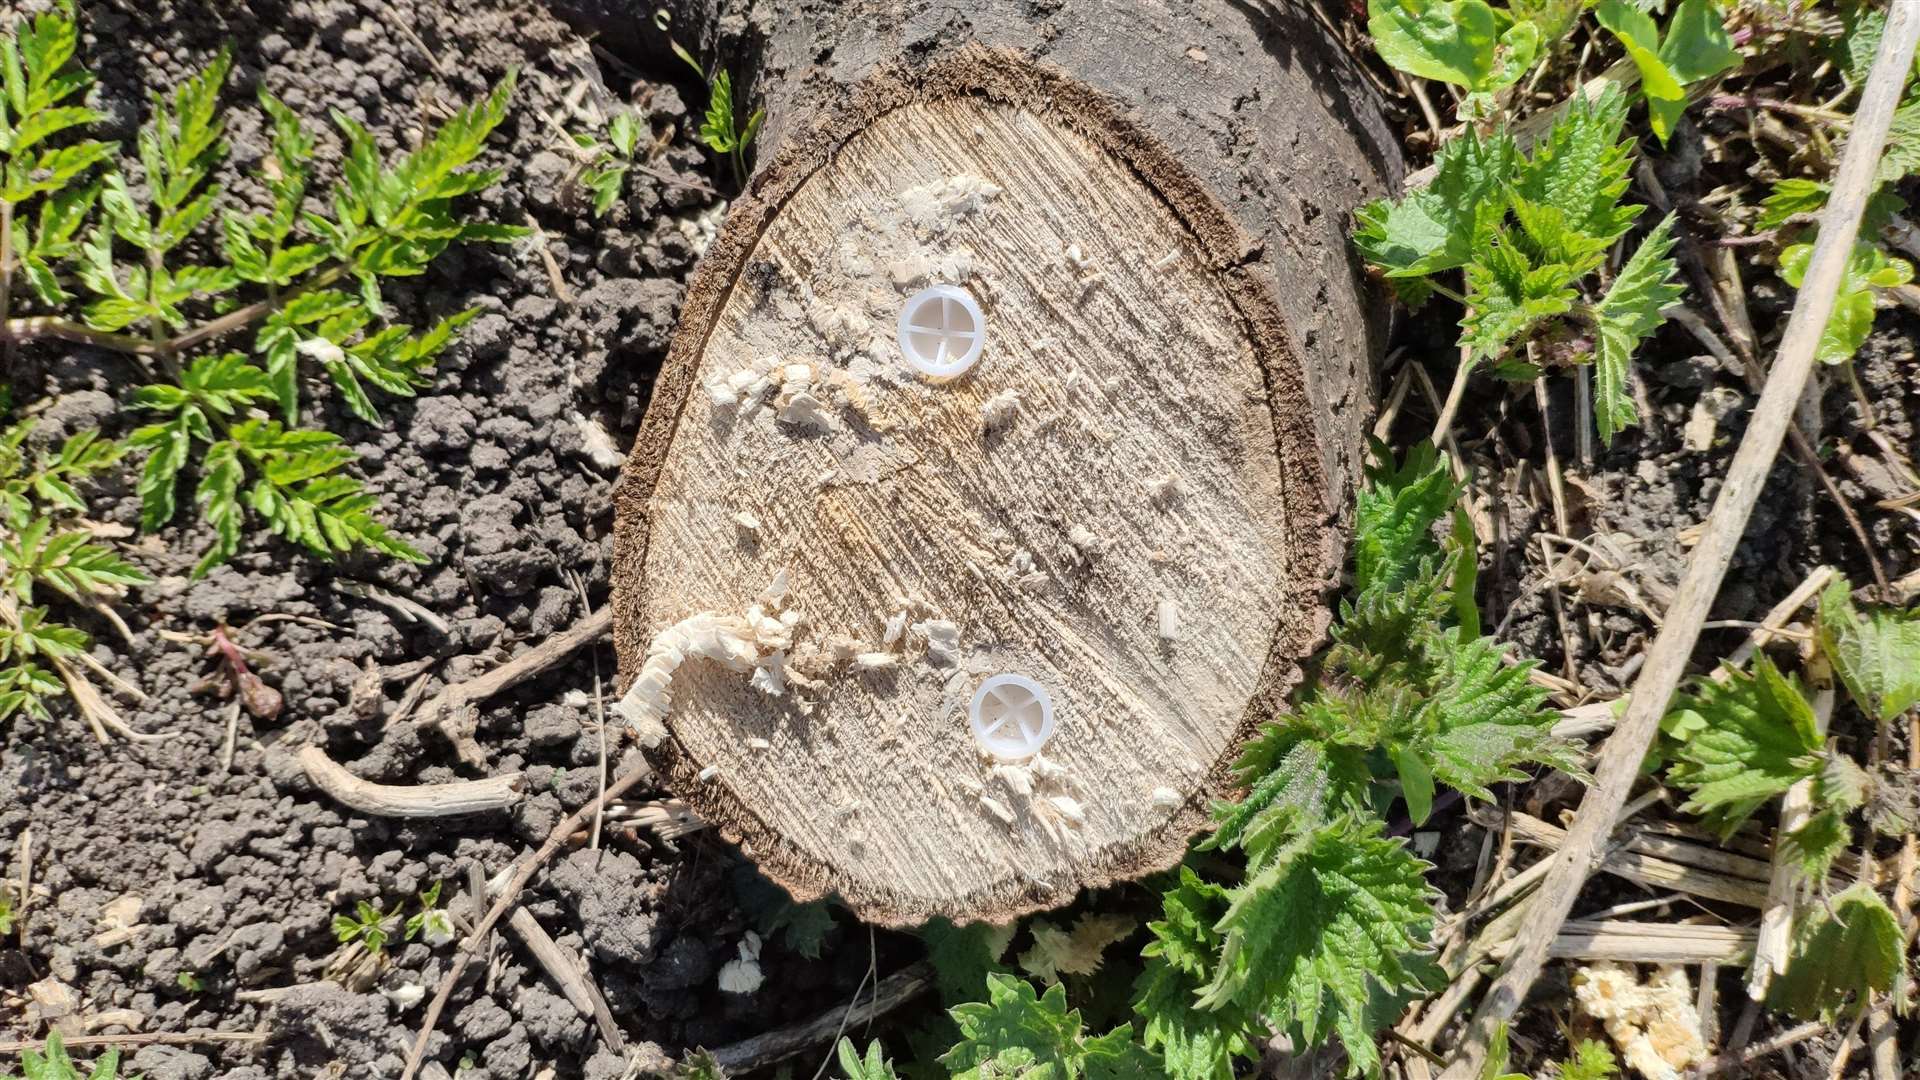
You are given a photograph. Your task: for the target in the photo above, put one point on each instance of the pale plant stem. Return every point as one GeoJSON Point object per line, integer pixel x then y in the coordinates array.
{"type": "Point", "coordinates": [1443, 423]}
{"type": "Point", "coordinates": [6, 270]}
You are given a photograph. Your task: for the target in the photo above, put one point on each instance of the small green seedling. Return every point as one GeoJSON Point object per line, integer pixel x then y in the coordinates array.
{"type": "Point", "coordinates": [54, 1064]}
{"type": "Point", "coordinates": [1530, 234]}
{"type": "Point", "coordinates": [367, 925]}
{"type": "Point", "coordinates": [190, 982]}
{"type": "Point", "coordinates": [721, 130]}
{"type": "Point", "coordinates": [432, 924]}
{"type": "Point", "coordinates": [607, 176]}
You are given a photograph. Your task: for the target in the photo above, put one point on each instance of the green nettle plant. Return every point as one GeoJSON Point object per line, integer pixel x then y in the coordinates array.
{"type": "Point", "coordinates": [53, 1063]}
{"type": "Point", "coordinates": [1529, 234]}
{"type": "Point", "coordinates": [159, 270]}
{"type": "Point", "coordinates": [1737, 742]}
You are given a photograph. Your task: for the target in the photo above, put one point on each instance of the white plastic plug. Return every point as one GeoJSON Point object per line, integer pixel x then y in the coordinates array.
{"type": "Point", "coordinates": [1011, 717]}
{"type": "Point", "coordinates": [941, 331]}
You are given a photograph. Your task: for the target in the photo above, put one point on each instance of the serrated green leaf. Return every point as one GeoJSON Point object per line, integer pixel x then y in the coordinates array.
{"type": "Point", "coordinates": [1842, 950]}
{"type": "Point", "coordinates": [1581, 169]}
{"type": "Point", "coordinates": [1789, 198]}
{"type": "Point", "coordinates": [1395, 512]}
{"type": "Point", "coordinates": [218, 494]}
{"type": "Point", "coordinates": [872, 1067]}
{"type": "Point", "coordinates": [964, 956]}
{"type": "Point", "coordinates": [1319, 923]}
{"type": "Point", "coordinates": [1876, 654]}
{"type": "Point", "coordinates": [1440, 227]}
{"type": "Point", "coordinates": [1018, 1033]}
{"type": "Point", "coordinates": [716, 129]}
{"type": "Point", "coordinates": [1759, 739]}
{"type": "Point", "coordinates": [1626, 316]}
{"type": "Point", "coordinates": [1485, 717]}
{"type": "Point", "coordinates": [1508, 297]}
{"type": "Point", "coordinates": [1193, 1044]}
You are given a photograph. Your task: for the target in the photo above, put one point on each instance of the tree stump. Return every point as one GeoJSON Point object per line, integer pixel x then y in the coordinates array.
{"type": "Point", "coordinates": [1134, 499]}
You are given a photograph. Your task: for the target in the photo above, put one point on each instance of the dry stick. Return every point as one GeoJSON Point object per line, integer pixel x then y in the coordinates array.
{"type": "Point", "coordinates": [26, 885]}
{"type": "Point", "coordinates": [448, 707]}
{"type": "Point", "coordinates": [522, 873]}
{"type": "Point", "coordinates": [408, 800]}
{"type": "Point", "coordinates": [166, 1038]}
{"type": "Point", "coordinates": [888, 994]}
{"type": "Point", "coordinates": [1667, 659]}
{"type": "Point", "coordinates": [1714, 1066]}
{"type": "Point", "coordinates": [1800, 440]}
{"type": "Point", "coordinates": [565, 968]}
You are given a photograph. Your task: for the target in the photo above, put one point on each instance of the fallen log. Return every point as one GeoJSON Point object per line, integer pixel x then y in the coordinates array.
{"type": "Point", "coordinates": [1114, 463]}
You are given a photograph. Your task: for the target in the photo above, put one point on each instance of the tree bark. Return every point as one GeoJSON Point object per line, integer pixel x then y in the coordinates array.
{"type": "Point", "coordinates": [1236, 138]}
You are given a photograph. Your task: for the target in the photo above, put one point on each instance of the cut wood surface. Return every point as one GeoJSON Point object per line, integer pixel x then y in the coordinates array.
{"type": "Point", "coordinates": [1128, 499]}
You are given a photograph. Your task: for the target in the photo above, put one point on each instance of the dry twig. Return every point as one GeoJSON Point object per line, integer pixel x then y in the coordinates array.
{"type": "Point", "coordinates": [453, 709]}
{"type": "Point", "coordinates": [1668, 658]}
{"type": "Point", "coordinates": [408, 800]}
{"type": "Point", "coordinates": [522, 873]}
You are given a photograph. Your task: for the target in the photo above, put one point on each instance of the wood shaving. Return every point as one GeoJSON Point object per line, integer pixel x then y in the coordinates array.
{"type": "Point", "coordinates": [1655, 1023]}
{"type": "Point", "coordinates": [1000, 409]}
{"type": "Point", "coordinates": [997, 808]}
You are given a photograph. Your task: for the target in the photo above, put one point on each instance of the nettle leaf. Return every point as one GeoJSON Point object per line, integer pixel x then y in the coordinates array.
{"type": "Point", "coordinates": [1582, 168]}
{"type": "Point", "coordinates": [1507, 297]}
{"type": "Point", "coordinates": [1839, 790]}
{"type": "Point", "coordinates": [1875, 653]}
{"type": "Point", "coordinates": [1440, 226]}
{"type": "Point", "coordinates": [872, 1067]}
{"type": "Point", "coordinates": [1320, 923]}
{"type": "Point", "coordinates": [963, 956]}
{"type": "Point", "coordinates": [1790, 198]}
{"type": "Point", "coordinates": [1395, 513]}
{"type": "Point", "coordinates": [1843, 950]}
{"type": "Point", "coordinates": [1018, 1033]}
{"type": "Point", "coordinates": [1303, 770]}
{"type": "Point", "coordinates": [1486, 718]}
{"type": "Point", "coordinates": [1625, 317]}
{"type": "Point", "coordinates": [1756, 737]}
{"type": "Point", "coordinates": [1194, 1044]}
{"type": "Point", "coordinates": [1901, 158]}
{"type": "Point", "coordinates": [1868, 268]}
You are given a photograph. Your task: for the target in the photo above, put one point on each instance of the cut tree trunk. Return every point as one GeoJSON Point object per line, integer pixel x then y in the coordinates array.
{"type": "Point", "coordinates": [1136, 498]}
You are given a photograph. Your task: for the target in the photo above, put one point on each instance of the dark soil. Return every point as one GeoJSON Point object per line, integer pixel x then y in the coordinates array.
{"type": "Point", "coordinates": [493, 473]}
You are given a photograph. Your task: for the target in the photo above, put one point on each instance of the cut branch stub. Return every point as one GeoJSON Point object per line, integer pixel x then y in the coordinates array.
{"type": "Point", "coordinates": [1123, 501]}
